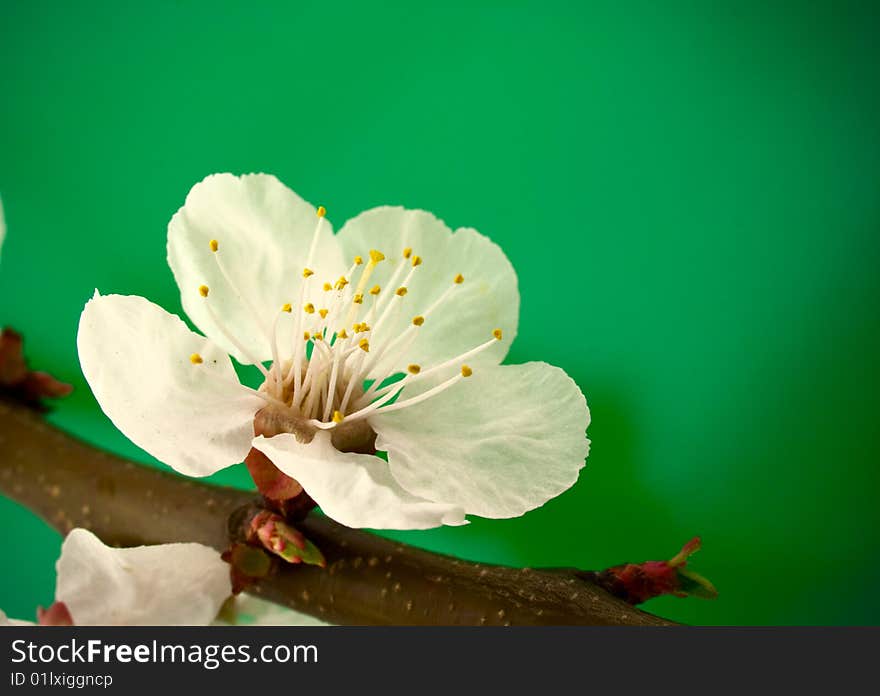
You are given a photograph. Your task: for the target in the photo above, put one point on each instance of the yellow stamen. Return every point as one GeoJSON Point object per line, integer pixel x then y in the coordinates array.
{"type": "Point", "coordinates": [203, 290]}
{"type": "Point", "coordinates": [358, 260]}
{"type": "Point", "coordinates": [306, 335]}
{"type": "Point", "coordinates": [375, 290]}
{"type": "Point", "coordinates": [322, 211]}
{"type": "Point", "coordinates": [308, 272]}
{"type": "Point", "coordinates": [375, 258]}
{"type": "Point", "coordinates": [317, 336]}
{"type": "Point", "coordinates": [400, 292]}
{"type": "Point", "coordinates": [341, 283]}
{"type": "Point", "coordinates": [497, 334]}
{"type": "Point", "coordinates": [419, 320]}
{"type": "Point", "coordinates": [342, 334]}
{"type": "Point", "coordinates": [214, 244]}
{"type": "Point", "coordinates": [327, 287]}
{"type": "Point", "coordinates": [407, 252]}
{"type": "Point", "coordinates": [413, 369]}
{"type": "Point", "coordinates": [417, 261]}
{"type": "Point", "coordinates": [309, 308]}
{"type": "Point", "coordinates": [323, 313]}
{"type": "Point", "coordinates": [338, 417]}
{"type": "Point", "coordinates": [286, 307]}
{"type": "Point", "coordinates": [459, 279]}
{"type": "Point", "coordinates": [466, 371]}
{"type": "Point", "coordinates": [364, 345]}
{"type": "Point", "coordinates": [196, 359]}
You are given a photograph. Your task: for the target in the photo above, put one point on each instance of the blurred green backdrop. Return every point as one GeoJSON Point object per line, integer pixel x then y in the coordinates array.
{"type": "Point", "coordinates": [689, 192]}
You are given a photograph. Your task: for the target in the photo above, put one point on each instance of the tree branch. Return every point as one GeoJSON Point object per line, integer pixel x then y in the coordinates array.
{"type": "Point", "coordinates": [368, 579]}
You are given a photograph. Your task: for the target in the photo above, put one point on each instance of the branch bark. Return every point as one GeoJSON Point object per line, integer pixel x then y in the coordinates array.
{"type": "Point", "coordinates": [368, 579]}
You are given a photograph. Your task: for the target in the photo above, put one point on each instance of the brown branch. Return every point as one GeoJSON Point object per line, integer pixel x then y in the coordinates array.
{"type": "Point", "coordinates": [368, 579]}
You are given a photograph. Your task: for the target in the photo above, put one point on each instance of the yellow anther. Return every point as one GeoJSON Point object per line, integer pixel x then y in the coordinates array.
{"type": "Point", "coordinates": [306, 335]}
{"type": "Point", "coordinates": [286, 307]}
{"type": "Point", "coordinates": [459, 279]}
{"type": "Point", "coordinates": [400, 292]}
{"type": "Point", "coordinates": [327, 287]}
{"type": "Point", "coordinates": [342, 334]}
{"type": "Point", "coordinates": [375, 290]}
{"type": "Point", "coordinates": [214, 244]}
{"type": "Point", "coordinates": [338, 417]}
{"type": "Point", "coordinates": [359, 298]}
{"type": "Point", "coordinates": [317, 336]}
{"type": "Point", "coordinates": [417, 261]}
{"type": "Point", "coordinates": [419, 320]}
{"type": "Point", "coordinates": [407, 252]}
{"type": "Point", "coordinates": [322, 211]}
{"type": "Point", "coordinates": [308, 272]}
{"type": "Point", "coordinates": [341, 283]}
{"type": "Point", "coordinates": [364, 345]}
{"type": "Point", "coordinates": [309, 308]}
{"type": "Point", "coordinates": [323, 313]}
{"type": "Point", "coordinates": [466, 371]}
{"type": "Point", "coordinates": [413, 369]}
{"type": "Point", "coordinates": [203, 290]}
{"type": "Point", "coordinates": [497, 334]}
{"type": "Point", "coordinates": [376, 256]}
{"type": "Point", "coordinates": [358, 260]}
{"type": "Point", "coordinates": [196, 359]}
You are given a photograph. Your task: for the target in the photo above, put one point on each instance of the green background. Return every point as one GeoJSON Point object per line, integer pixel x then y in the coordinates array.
{"type": "Point", "coordinates": [688, 191]}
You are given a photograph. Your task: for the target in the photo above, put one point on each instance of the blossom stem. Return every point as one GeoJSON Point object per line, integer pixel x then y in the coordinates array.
{"type": "Point", "coordinates": [108, 495]}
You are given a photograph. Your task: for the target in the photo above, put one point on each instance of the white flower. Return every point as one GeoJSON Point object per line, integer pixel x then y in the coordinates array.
{"type": "Point", "coordinates": [395, 293]}
{"type": "Point", "coordinates": [165, 584]}
{"type": "Point", "coordinates": [158, 585]}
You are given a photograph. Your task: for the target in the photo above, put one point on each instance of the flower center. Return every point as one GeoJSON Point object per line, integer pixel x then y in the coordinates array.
{"type": "Point", "coordinates": [342, 337]}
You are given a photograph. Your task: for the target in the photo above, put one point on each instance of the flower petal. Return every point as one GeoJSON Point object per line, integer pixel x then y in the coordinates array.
{"type": "Point", "coordinates": [247, 610]}
{"type": "Point", "coordinates": [356, 490]}
{"type": "Point", "coordinates": [488, 298]}
{"type": "Point", "coordinates": [167, 584]}
{"type": "Point", "coordinates": [6, 621]}
{"type": "Point", "coordinates": [264, 233]}
{"type": "Point", "coordinates": [136, 357]}
{"type": "Point", "coordinates": [500, 443]}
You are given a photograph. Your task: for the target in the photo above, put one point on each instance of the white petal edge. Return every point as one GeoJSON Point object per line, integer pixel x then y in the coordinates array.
{"type": "Point", "coordinates": [264, 231]}
{"type": "Point", "coordinates": [6, 621]}
{"type": "Point", "coordinates": [247, 610]}
{"type": "Point", "coordinates": [162, 585]}
{"type": "Point", "coordinates": [356, 490]}
{"type": "Point", "coordinates": [488, 299]}
{"type": "Point", "coordinates": [135, 356]}
{"type": "Point", "coordinates": [499, 443]}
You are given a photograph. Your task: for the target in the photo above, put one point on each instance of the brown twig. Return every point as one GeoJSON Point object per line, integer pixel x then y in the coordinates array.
{"type": "Point", "coordinates": [368, 579]}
